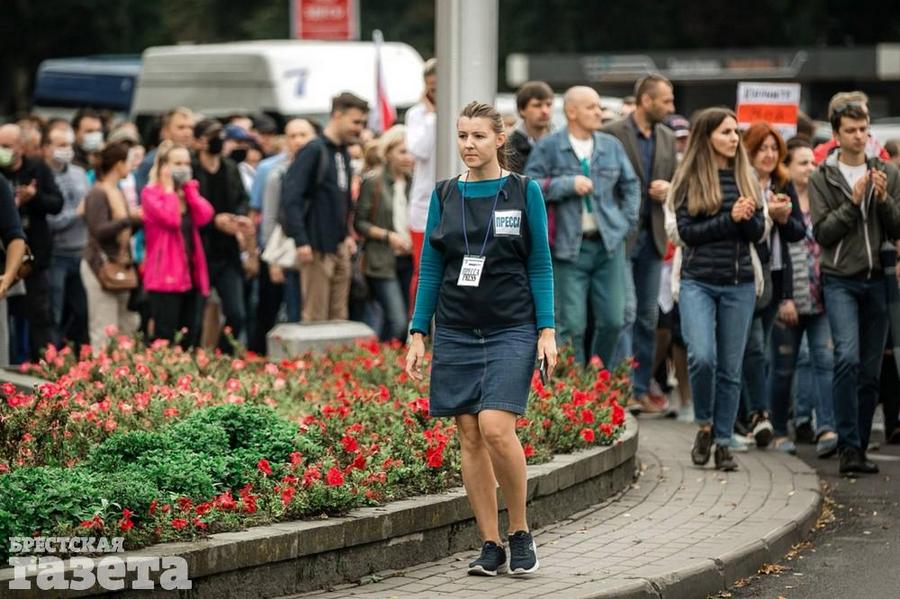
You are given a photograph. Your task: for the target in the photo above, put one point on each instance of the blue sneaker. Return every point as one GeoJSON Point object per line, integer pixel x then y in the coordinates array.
{"type": "Point", "coordinates": [491, 562]}
{"type": "Point", "coordinates": [522, 553]}
{"type": "Point", "coordinates": [785, 445]}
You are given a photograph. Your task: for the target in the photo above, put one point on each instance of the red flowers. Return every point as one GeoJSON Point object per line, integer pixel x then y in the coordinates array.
{"type": "Point", "coordinates": [125, 523]}
{"type": "Point", "coordinates": [618, 414]}
{"type": "Point", "coordinates": [95, 523]}
{"type": "Point", "coordinates": [178, 523]}
{"type": "Point", "coordinates": [225, 501]}
{"type": "Point", "coordinates": [349, 443]}
{"type": "Point", "coordinates": [264, 467]}
{"type": "Point", "coordinates": [335, 477]}
{"type": "Point", "coordinates": [528, 448]}
{"type": "Point", "coordinates": [287, 495]}
{"type": "Point", "coordinates": [587, 434]}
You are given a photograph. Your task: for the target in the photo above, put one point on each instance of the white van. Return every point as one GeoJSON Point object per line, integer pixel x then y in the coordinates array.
{"type": "Point", "coordinates": [281, 78]}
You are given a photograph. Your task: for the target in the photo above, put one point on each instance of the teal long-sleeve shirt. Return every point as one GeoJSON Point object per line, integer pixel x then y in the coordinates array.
{"type": "Point", "coordinates": [539, 265]}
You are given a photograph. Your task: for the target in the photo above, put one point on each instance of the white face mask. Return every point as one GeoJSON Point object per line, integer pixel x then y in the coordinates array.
{"type": "Point", "coordinates": [7, 157]}
{"type": "Point", "coordinates": [181, 175]}
{"type": "Point", "coordinates": [92, 141]}
{"type": "Point", "coordinates": [63, 155]}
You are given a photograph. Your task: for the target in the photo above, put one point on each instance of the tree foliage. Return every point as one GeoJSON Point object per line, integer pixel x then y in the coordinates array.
{"type": "Point", "coordinates": [33, 30]}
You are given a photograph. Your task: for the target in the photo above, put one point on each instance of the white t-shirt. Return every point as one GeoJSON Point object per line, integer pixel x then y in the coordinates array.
{"type": "Point", "coordinates": [421, 132]}
{"type": "Point", "coordinates": [852, 173]}
{"type": "Point", "coordinates": [584, 148]}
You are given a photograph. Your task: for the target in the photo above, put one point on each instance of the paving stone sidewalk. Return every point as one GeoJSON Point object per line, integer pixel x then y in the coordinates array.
{"type": "Point", "coordinates": [679, 531]}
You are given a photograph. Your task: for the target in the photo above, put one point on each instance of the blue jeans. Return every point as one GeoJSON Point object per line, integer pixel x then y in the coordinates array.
{"type": "Point", "coordinates": [756, 388]}
{"type": "Point", "coordinates": [66, 289]}
{"type": "Point", "coordinates": [597, 276]}
{"type": "Point", "coordinates": [715, 322]}
{"type": "Point", "coordinates": [786, 342]}
{"type": "Point", "coordinates": [638, 336]}
{"type": "Point", "coordinates": [391, 298]}
{"type": "Point", "coordinates": [804, 384]}
{"type": "Point", "coordinates": [292, 295]}
{"type": "Point", "coordinates": [857, 311]}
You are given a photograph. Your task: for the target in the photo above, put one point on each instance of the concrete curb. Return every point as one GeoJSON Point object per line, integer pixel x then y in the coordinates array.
{"type": "Point", "coordinates": [298, 556]}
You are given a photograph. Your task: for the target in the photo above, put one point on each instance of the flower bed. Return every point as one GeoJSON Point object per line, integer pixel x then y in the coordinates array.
{"type": "Point", "coordinates": [154, 444]}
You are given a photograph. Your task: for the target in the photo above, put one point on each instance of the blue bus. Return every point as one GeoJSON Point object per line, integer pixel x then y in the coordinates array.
{"type": "Point", "coordinates": [63, 85]}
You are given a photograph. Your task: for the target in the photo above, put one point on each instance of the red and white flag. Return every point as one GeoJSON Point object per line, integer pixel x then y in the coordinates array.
{"type": "Point", "coordinates": [384, 114]}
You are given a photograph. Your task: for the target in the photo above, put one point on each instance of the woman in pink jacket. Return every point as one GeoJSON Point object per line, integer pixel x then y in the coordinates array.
{"type": "Point", "coordinates": [175, 275]}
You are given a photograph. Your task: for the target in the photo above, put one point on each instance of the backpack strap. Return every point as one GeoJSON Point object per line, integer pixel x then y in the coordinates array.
{"type": "Point", "coordinates": [444, 188]}
{"type": "Point", "coordinates": [322, 168]}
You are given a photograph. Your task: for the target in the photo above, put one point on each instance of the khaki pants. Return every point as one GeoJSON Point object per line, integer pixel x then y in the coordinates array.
{"type": "Point", "coordinates": [325, 284]}
{"type": "Point", "coordinates": [105, 308]}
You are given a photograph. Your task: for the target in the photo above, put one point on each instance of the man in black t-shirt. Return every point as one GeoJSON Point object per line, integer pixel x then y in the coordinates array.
{"type": "Point", "coordinates": [220, 183]}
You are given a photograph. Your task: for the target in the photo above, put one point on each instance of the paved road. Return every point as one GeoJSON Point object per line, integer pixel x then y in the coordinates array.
{"type": "Point", "coordinates": [858, 555]}
{"type": "Point", "coordinates": [676, 519]}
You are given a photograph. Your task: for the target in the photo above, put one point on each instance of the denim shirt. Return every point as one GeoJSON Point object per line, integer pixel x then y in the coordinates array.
{"type": "Point", "coordinates": [616, 200]}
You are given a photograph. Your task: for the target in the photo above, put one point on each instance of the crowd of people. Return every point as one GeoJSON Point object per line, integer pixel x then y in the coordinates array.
{"type": "Point", "coordinates": [741, 272]}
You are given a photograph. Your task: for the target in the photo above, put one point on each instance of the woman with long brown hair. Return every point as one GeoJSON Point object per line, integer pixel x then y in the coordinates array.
{"type": "Point", "coordinates": [487, 277]}
{"type": "Point", "coordinates": [715, 198]}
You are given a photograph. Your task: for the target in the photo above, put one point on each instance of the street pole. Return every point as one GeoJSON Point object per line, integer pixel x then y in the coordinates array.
{"type": "Point", "coordinates": [466, 34]}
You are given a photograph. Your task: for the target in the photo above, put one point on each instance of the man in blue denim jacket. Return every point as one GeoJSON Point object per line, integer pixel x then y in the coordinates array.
{"type": "Point", "coordinates": [594, 199]}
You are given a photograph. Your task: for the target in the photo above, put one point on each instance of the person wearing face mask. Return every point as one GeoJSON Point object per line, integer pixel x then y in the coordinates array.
{"type": "Point", "coordinates": [175, 273]}
{"type": "Point", "coordinates": [12, 250]}
{"type": "Point", "coordinates": [88, 127]}
{"type": "Point", "coordinates": [237, 146]}
{"type": "Point", "coordinates": [220, 183]}
{"type": "Point", "coordinates": [110, 222]}
{"type": "Point", "coordinates": [37, 196]}
{"type": "Point", "coordinates": [67, 297]}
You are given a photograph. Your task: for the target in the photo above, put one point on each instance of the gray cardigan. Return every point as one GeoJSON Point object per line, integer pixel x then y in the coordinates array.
{"type": "Point", "coordinates": [380, 263]}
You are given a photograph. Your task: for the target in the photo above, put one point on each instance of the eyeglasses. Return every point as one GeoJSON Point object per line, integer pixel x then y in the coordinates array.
{"type": "Point", "coordinates": [845, 106]}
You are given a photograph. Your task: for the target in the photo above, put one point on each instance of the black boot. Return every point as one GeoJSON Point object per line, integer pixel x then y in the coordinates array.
{"type": "Point", "coordinates": [724, 461]}
{"type": "Point", "coordinates": [853, 462]}
{"type": "Point", "coordinates": [702, 443]}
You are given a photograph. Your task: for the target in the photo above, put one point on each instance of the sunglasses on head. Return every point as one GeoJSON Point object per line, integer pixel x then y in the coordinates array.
{"type": "Point", "coordinates": [845, 106]}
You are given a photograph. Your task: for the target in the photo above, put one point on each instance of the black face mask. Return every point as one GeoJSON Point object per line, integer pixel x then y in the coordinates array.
{"type": "Point", "coordinates": [214, 145]}
{"type": "Point", "coordinates": [238, 154]}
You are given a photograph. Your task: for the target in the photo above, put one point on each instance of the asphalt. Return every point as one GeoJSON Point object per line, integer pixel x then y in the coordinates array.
{"type": "Point", "coordinates": [856, 550]}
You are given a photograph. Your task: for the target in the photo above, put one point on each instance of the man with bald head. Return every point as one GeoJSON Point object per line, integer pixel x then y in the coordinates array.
{"type": "Point", "coordinates": [594, 196]}
{"type": "Point", "coordinates": [275, 283]}
{"type": "Point", "coordinates": [36, 196]}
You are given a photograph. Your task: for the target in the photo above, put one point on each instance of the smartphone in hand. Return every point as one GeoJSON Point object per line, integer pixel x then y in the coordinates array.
{"type": "Point", "coordinates": [543, 369]}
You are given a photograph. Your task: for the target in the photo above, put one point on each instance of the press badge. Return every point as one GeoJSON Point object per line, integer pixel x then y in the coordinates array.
{"type": "Point", "coordinates": [507, 223]}
{"type": "Point", "coordinates": [470, 273]}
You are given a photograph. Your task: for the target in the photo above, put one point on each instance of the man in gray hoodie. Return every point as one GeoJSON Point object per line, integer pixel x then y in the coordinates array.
{"type": "Point", "coordinates": [855, 206]}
